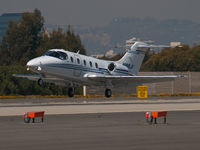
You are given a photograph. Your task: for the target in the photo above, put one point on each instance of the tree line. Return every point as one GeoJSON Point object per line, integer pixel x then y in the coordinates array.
{"type": "Point", "coordinates": [183, 58]}
{"type": "Point", "coordinates": [26, 39]}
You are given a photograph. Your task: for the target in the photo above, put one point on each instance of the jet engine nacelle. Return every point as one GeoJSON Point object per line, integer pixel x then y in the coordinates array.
{"type": "Point", "coordinates": [115, 66]}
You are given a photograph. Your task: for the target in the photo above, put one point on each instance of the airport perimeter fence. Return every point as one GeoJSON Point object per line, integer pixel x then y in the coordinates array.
{"type": "Point", "coordinates": [188, 84]}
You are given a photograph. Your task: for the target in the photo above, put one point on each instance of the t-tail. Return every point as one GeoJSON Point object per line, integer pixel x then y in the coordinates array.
{"type": "Point", "coordinates": [134, 57]}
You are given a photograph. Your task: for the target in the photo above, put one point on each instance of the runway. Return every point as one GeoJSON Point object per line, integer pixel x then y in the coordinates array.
{"type": "Point", "coordinates": [85, 106]}
{"type": "Point", "coordinates": [108, 131]}
{"type": "Point", "coordinates": [102, 124]}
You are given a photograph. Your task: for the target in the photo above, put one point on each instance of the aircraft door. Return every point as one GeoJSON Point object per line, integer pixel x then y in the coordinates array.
{"type": "Point", "coordinates": [78, 67]}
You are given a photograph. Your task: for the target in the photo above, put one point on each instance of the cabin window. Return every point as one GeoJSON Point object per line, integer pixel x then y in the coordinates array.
{"type": "Point", "coordinates": [72, 60]}
{"type": "Point", "coordinates": [78, 60]}
{"type": "Point", "coordinates": [84, 62]}
{"type": "Point", "coordinates": [96, 65]}
{"type": "Point", "coordinates": [90, 64]}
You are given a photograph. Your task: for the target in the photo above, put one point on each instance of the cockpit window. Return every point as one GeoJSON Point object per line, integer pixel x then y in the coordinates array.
{"type": "Point", "coordinates": [57, 54]}
{"type": "Point", "coordinates": [62, 56]}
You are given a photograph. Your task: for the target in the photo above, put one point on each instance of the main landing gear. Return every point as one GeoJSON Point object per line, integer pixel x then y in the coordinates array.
{"type": "Point", "coordinates": [70, 89]}
{"type": "Point", "coordinates": [71, 92]}
{"type": "Point", "coordinates": [40, 82]}
{"type": "Point", "coordinates": [108, 93]}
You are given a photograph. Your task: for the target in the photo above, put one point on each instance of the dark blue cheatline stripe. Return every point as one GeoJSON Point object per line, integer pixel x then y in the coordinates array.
{"type": "Point", "coordinates": [83, 68]}
{"type": "Point", "coordinates": [75, 67]}
{"type": "Point", "coordinates": [104, 70]}
{"type": "Point", "coordinates": [117, 70]}
{"type": "Point", "coordinates": [125, 72]}
{"type": "Point", "coordinates": [122, 71]}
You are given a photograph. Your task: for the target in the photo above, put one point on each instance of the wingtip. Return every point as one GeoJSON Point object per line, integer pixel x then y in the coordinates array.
{"type": "Point", "coordinates": [14, 75]}
{"type": "Point", "coordinates": [182, 76]}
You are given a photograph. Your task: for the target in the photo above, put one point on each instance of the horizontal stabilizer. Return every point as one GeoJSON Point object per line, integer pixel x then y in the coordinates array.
{"type": "Point", "coordinates": [156, 46]}
{"type": "Point", "coordinates": [145, 45]}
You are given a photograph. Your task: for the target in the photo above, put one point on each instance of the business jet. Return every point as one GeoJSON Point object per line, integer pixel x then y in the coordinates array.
{"type": "Point", "coordinates": [71, 69]}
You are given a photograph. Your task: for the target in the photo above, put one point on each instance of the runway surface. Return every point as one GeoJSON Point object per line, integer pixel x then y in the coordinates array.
{"type": "Point", "coordinates": [12, 107]}
{"type": "Point", "coordinates": [100, 124]}
{"type": "Point", "coordinates": [110, 131]}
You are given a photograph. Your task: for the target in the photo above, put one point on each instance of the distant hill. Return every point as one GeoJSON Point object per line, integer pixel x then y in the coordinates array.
{"type": "Point", "coordinates": [100, 39]}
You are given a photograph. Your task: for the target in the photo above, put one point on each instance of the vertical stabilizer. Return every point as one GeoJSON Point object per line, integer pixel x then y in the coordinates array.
{"type": "Point", "coordinates": [134, 57]}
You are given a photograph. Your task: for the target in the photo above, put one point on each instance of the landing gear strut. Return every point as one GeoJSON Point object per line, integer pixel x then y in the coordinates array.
{"type": "Point", "coordinates": [71, 92]}
{"type": "Point", "coordinates": [40, 82]}
{"type": "Point", "coordinates": [108, 93]}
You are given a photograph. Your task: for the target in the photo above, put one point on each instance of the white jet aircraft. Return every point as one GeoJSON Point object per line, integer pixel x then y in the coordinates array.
{"type": "Point", "coordinates": [71, 69]}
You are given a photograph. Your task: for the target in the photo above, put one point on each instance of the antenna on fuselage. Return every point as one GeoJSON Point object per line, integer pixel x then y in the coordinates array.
{"type": "Point", "coordinates": [78, 51]}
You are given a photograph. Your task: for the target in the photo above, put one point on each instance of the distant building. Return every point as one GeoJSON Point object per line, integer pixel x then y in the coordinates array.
{"type": "Point", "coordinates": [174, 44]}
{"type": "Point", "coordinates": [131, 41]}
{"type": "Point", "coordinates": [97, 55]}
{"type": "Point", "coordinates": [4, 20]}
{"type": "Point", "coordinates": [46, 33]}
{"type": "Point", "coordinates": [110, 53]}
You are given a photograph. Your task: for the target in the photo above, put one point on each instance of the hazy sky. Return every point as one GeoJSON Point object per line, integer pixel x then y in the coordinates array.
{"type": "Point", "coordinates": [100, 12]}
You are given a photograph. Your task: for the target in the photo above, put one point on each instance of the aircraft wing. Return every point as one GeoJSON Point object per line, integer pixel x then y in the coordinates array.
{"type": "Point", "coordinates": [131, 80]}
{"type": "Point", "coordinates": [28, 76]}
{"type": "Point", "coordinates": [37, 77]}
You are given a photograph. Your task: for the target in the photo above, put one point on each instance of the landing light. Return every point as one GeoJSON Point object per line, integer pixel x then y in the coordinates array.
{"type": "Point", "coordinates": [39, 68]}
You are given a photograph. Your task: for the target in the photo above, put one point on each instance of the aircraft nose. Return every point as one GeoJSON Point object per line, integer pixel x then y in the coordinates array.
{"type": "Point", "coordinates": [33, 62]}
{"type": "Point", "coordinates": [30, 63]}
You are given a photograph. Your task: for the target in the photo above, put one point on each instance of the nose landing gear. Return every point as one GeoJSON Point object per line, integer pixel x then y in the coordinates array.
{"type": "Point", "coordinates": [71, 92]}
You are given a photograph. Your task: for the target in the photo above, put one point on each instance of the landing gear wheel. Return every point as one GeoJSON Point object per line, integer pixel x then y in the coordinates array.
{"type": "Point", "coordinates": [40, 82]}
{"type": "Point", "coordinates": [71, 92]}
{"type": "Point", "coordinates": [108, 93]}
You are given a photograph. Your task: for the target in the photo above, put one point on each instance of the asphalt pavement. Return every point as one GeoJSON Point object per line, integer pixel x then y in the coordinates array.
{"type": "Point", "coordinates": [102, 131]}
